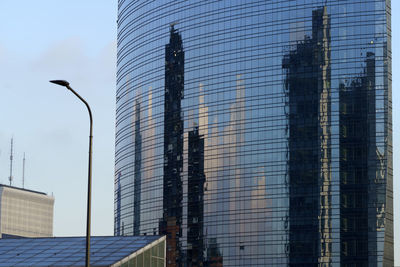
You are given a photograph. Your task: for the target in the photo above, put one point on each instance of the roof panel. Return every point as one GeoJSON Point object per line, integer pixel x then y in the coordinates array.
{"type": "Point", "coordinates": [64, 251]}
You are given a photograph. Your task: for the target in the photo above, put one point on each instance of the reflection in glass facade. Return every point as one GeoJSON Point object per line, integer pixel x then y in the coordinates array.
{"type": "Point", "coordinates": [256, 133]}
{"type": "Point", "coordinates": [195, 199]}
{"type": "Point", "coordinates": [171, 222]}
{"type": "Point", "coordinates": [308, 93]}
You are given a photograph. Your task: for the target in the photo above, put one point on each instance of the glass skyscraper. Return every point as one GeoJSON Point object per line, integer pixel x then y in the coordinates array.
{"type": "Point", "coordinates": [256, 133]}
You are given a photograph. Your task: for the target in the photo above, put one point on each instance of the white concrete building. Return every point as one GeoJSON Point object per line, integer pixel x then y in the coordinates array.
{"type": "Point", "coordinates": [25, 213]}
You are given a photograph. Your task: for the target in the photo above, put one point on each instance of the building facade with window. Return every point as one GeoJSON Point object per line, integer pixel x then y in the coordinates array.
{"type": "Point", "coordinates": [256, 133]}
{"type": "Point", "coordinates": [25, 213]}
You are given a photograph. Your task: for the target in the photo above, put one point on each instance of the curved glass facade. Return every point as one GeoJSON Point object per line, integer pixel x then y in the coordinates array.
{"type": "Point", "coordinates": [256, 133]}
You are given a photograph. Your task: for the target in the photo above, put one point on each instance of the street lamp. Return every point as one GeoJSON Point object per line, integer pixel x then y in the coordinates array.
{"type": "Point", "coordinates": [66, 84]}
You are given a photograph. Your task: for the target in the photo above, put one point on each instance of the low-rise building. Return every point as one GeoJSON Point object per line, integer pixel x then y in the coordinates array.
{"type": "Point", "coordinates": [25, 213]}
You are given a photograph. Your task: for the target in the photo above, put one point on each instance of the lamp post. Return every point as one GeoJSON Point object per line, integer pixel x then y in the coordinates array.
{"type": "Point", "coordinates": [66, 84]}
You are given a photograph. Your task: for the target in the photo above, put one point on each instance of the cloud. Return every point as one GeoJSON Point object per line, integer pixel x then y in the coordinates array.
{"type": "Point", "coordinates": [71, 60]}
{"type": "Point", "coordinates": [107, 58]}
{"type": "Point", "coordinates": [63, 58]}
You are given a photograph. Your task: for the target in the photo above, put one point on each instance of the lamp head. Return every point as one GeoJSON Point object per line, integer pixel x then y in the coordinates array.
{"type": "Point", "coordinates": [60, 82]}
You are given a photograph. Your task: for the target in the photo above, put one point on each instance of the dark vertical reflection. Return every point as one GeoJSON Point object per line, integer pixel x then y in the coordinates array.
{"type": "Point", "coordinates": [308, 88]}
{"type": "Point", "coordinates": [171, 224]}
{"type": "Point", "coordinates": [321, 37]}
{"type": "Point", "coordinates": [196, 180]}
{"type": "Point", "coordinates": [376, 166]}
{"type": "Point", "coordinates": [357, 167]}
{"type": "Point", "coordinates": [117, 228]}
{"type": "Point", "coordinates": [137, 170]}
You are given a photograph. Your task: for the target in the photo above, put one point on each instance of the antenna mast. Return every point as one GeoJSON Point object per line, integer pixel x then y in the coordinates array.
{"type": "Point", "coordinates": [11, 160]}
{"type": "Point", "coordinates": [23, 172]}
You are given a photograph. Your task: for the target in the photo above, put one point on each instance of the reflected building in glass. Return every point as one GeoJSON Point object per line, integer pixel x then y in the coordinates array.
{"type": "Point", "coordinates": [307, 85]}
{"type": "Point", "coordinates": [171, 222]}
{"type": "Point", "coordinates": [256, 133]}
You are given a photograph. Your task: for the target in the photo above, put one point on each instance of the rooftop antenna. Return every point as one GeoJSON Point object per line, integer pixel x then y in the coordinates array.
{"type": "Point", "coordinates": [11, 160]}
{"type": "Point", "coordinates": [23, 172]}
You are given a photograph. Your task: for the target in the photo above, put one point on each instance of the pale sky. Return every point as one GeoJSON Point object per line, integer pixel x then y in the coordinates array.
{"type": "Point", "coordinates": [76, 40]}
{"type": "Point", "coordinates": [53, 39]}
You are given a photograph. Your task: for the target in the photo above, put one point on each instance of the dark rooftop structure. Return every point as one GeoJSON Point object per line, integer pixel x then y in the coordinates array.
{"type": "Point", "coordinates": [70, 251]}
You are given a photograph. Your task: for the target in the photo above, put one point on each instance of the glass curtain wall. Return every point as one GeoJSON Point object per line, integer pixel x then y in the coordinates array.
{"type": "Point", "coordinates": [256, 133]}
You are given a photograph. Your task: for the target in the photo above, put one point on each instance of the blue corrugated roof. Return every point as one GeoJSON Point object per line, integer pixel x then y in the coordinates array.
{"type": "Point", "coordinates": [69, 251]}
